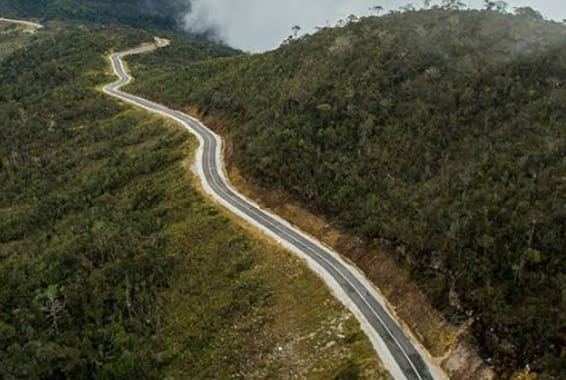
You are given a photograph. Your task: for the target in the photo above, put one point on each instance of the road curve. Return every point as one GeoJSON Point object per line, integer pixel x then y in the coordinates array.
{"type": "Point", "coordinates": [32, 25]}
{"type": "Point", "coordinates": [401, 355]}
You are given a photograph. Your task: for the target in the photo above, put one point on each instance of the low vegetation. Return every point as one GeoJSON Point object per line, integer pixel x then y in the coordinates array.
{"type": "Point", "coordinates": [438, 134]}
{"type": "Point", "coordinates": [112, 265]}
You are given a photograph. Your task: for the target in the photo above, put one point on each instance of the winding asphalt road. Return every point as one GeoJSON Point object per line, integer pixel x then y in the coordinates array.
{"type": "Point", "coordinates": [401, 356]}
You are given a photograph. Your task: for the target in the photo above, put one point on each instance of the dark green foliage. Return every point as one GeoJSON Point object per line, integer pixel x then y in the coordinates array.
{"type": "Point", "coordinates": [74, 274]}
{"type": "Point", "coordinates": [139, 13]}
{"type": "Point", "coordinates": [439, 133]}
{"type": "Point", "coordinates": [185, 50]}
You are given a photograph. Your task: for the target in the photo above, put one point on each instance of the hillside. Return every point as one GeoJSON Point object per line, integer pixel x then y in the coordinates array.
{"type": "Point", "coordinates": [12, 37]}
{"type": "Point", "coordinates": [138, 13]}
{"type": "Point", "coordinates": [438, 135]}
{"type": "Point", "coordinates": [112, 263]}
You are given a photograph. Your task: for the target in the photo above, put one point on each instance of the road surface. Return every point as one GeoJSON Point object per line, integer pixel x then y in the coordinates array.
{"type": "Point", "coordinates": [32, 26]}
{"type": "Point", "coordinates": [401, 355]}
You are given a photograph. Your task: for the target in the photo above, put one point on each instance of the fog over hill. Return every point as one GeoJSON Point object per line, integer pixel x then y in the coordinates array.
{"type": "Point", "coordinates": [258, 25]}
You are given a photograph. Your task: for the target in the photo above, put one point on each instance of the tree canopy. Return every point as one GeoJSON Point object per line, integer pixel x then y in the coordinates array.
{"type": "Point", "coordinates": [438, 133]}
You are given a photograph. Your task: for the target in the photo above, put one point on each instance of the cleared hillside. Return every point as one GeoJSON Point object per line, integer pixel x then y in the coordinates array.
{"type": "Point", "coordinates": [437, 134]}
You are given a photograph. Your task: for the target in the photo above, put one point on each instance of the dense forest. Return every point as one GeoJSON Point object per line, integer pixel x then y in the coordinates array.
{"type": "Point", "coordinates": [163, 14]}
{"type": "Point", "coordinates": [438, 134]}
{"type": "Point", "coordinates": [113, 266]}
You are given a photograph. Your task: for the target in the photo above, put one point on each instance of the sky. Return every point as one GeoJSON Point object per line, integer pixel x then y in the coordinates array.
{"type": "Point", "coordinates": [259, 25]}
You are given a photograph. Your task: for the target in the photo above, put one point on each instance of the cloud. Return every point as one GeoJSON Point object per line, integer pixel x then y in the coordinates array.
{"type": "Point", "coordinates": [259, 25]}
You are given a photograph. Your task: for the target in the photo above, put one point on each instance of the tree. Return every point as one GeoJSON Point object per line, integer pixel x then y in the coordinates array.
{"type": "Point", "coordinates": [376, 9]}
{"type": "Point", "coordinates": [529, 13]}
{"type": "Point", "coordinates": [352, 19]}
{"type": "Point", "coordinates": [453, 4]}
{"type": "Point", "coordinates": [296, 29]}
{"type": "Point", "coordinates": [53, 307]}
{"type": "Point", "coordinates": [497, 6]}
{"type": "Point", "coordinates": [408, 8]}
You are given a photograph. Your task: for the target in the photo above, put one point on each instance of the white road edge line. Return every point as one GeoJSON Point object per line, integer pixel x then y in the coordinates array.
{"type": "Point", "coordinates": [384, 353]}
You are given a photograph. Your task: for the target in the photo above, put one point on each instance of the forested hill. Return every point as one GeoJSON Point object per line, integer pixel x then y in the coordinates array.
{"type": "Point", "coordinates": [439, 133]}
{"type": "Point", "coordinates": [113, 265]}
{"type": "Point", "coordinates": [163, 14]}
